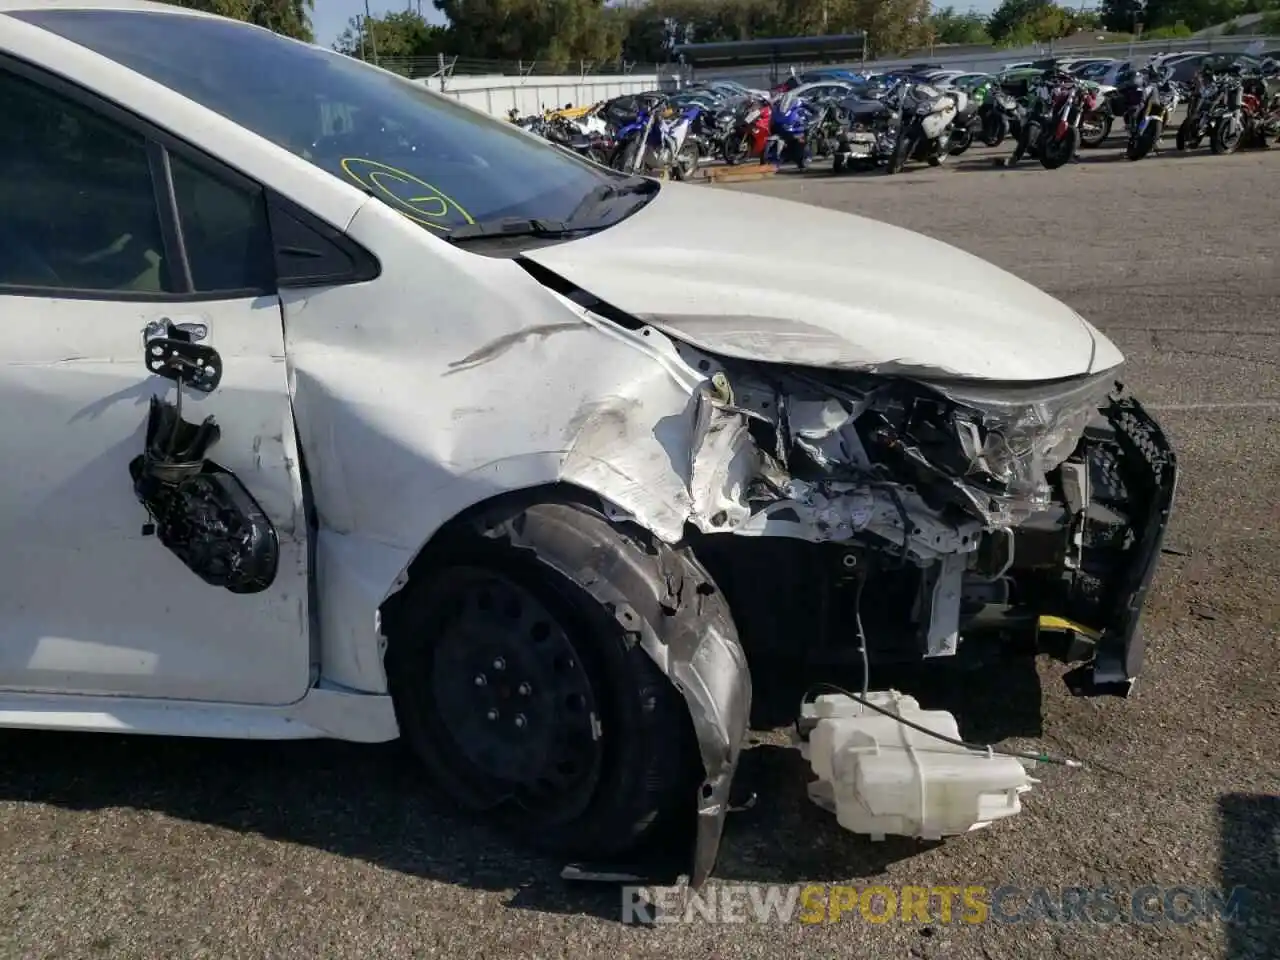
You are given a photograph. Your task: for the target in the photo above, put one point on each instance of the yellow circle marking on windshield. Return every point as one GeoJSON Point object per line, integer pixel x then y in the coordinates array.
{"type": "Point", "coordinates": [415, 198]}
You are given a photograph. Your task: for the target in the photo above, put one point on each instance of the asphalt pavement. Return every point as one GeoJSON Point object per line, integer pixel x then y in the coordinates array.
{"type": "Point", "coordinates": [119, 847]}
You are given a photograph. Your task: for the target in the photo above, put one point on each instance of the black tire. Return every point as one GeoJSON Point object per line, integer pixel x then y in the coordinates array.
{"type": "Point", "coordinates": [626, 155]}
{"type": "Point", "coordinates": [735, 149]}
{"type": "Point", "coordinates": [1030, 136]}
{"type": "Point", "coordinates": [1058, 153]}
{"type": "Point", "coordinates": [637, 768]}
{"type": "Point", "coordinates": [1222, 141]}
{"type": "Point", "coordinates": [1141, 145]}
{"type": "Point", "coordinates": [995, 128]}
{"type": "Point", "coordinates": [1186, 139]}
{"type": "Point", "coordinates": [898, 159]}
{"type": "Point", "coordinates": [961, 140]}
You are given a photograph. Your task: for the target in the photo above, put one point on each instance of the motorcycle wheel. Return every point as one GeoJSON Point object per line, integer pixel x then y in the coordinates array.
{"type": "Point", "coordinates": [1102, 130]}
{"type": "Point", "coordinates": [1187, 138]}
{"type": "Point", "coordinates": [686, 162]}
{"type": "Point", "coordinates": [898, 159]}
{"type": "Point", "coordinates": [1142, 144]}
{"type": "Point", "coordinates": [735, 149]}
{"type": "Point", "coordinates": [624, 157]}
{"type": "Point", "coordinates": [961, 140]}
{"type": "Point", "coordinates": [1058, 153]}
{"type": "Point", "coordinates": [1225, 137]}
{"type": "Point", "coordinates": [995, 129]}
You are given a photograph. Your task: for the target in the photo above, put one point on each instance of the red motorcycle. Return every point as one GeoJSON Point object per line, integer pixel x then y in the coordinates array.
{"type": "Point", "coordinates": [750, 133]}
{"type": "Point", "coordinates": [1052, 133]}
{"type": "Point", "coordinates": [1060, 137]}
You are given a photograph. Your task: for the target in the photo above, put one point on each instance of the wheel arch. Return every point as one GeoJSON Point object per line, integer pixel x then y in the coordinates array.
{"type": "Point", "coordinates": [684, 626]}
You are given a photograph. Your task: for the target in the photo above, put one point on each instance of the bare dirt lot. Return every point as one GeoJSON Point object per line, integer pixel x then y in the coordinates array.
{"type": "Point", "coordinates": [150, 848]}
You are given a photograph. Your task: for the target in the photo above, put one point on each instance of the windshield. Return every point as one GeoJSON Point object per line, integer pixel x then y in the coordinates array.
{"type": "Point", "coordinates": [437, 162]}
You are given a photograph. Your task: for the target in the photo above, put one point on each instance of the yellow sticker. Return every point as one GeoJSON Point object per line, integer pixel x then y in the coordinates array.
{"type": "Point", "coordinates": [413, 197]}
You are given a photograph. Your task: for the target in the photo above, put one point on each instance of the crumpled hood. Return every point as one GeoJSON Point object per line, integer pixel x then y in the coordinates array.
{"type": "Point", "coordinates": [757, 278]}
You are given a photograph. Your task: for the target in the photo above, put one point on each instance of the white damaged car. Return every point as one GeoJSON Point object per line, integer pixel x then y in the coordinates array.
{"type": "Point", "coordinates": [334, 408]}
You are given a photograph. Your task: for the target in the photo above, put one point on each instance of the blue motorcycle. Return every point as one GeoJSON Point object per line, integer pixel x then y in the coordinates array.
{"type": "Point", "coordinates": [651, 145]}
{"type": "Point", "coordinates": [789, 136]}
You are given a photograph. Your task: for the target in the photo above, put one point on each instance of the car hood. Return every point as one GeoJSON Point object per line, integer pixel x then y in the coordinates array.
{"type": "Point", "coordinates": [752, 277]}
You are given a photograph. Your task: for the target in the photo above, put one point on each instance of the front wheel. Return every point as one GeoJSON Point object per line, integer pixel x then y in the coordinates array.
{"type": "Point", "coordinates": [961, 140]}
{"type": "Point", "coordinates": [1145, 141]}
{"type": "Point", "coordinates": [1188, 137]}
{"type": "Point", "coordinates": [519, 682]}
{"type": "Point", "coordinates": [1058, 152]}
{"type": "Point", "coordinates": [995, 128]}
{"type": "Point", "coordinates": [736, 149]}
{"type": "Point", "coordinates": [1226, 135]}
{"type": "Point", "coordinates": [686, 164]}
{"type": "Point", "coordinates": [901, 150]}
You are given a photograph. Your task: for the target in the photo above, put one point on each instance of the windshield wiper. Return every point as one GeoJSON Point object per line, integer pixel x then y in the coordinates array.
{"type": "Point", "coordinates": [512, 227]}
{"type": "Point", "coordinates": [626, 187]}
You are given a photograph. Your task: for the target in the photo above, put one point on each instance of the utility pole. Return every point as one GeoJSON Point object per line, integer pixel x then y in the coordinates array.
{"type": "Point", "coordinates": [368, 28]}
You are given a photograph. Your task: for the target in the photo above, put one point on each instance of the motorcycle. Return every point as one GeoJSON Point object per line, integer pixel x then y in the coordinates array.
{"type": "Point", "coordinates": [1099, 116]}
{"type": "Point", "coordinates": [789, 136]}
{"type": "Point", "coordinates": [867, 135]}
{"type": "Point", "coordinates": [1159, 98]}
{"type": "Point", "coordinates": [1052, 130]}
{"type": "Point", "coordinates": [1000, 114]}
{"type": "Point", "coordinates": [1206, 105]}
{"type": "Point", "coordinates": [750, 134]}
{"type": "Point", "coordinates": [825, 129]}
{"type": "Point", "coordinates": [1251, 113]}
{"type": "Point", "coordinates": [649, 144]}
{"type": "Point", "coordinates": [924, 118]}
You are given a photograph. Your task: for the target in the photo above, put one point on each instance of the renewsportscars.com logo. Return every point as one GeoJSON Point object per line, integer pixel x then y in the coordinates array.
{"type": "Point", "coordinates": [973, 904]}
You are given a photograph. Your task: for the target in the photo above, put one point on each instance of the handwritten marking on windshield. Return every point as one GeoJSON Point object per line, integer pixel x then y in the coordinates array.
{"type": "Point", "coordinates": [414, 198]}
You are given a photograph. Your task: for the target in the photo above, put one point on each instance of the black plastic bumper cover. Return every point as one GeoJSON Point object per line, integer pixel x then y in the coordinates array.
{"type": "Point", "coordinates": [1120, 649]}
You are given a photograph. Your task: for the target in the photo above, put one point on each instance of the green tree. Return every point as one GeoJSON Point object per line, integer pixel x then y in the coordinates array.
{"type": "Point", "coordinates": [948, 26]}
{"type": "Point", "coordinates": [400, 34]}
{"type": "Point", "coordinates": [289, 17]}
{"type": "Point", "coordinates": [557, 32]}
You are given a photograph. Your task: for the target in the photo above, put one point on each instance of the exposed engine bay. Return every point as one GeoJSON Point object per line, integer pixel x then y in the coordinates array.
{"type": "Point", "coordinates": [960, 506]}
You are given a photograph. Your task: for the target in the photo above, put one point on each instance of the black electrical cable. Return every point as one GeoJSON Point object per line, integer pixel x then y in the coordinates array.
{"type": "Point", "coordinates": [862, 634]}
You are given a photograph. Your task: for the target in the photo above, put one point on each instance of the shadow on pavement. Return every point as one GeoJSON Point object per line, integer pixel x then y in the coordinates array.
{"type": "Point", "coordinates": [371, 803]}
{"type": "Point", "coordinates": [1250, 859]}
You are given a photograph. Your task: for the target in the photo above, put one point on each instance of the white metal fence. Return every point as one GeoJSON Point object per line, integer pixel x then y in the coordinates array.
{"type": "Point", "coordinates": [496, 95]}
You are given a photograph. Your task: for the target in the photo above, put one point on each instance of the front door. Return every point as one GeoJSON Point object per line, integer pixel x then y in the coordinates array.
{"type": "Point", "coordinates": [103, 233]}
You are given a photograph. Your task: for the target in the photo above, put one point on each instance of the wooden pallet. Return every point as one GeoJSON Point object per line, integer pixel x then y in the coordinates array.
{"type": "Point", "coordinates": [739, 173]}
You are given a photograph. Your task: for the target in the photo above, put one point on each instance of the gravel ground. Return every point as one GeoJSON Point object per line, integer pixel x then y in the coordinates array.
{"type": "Point", "coordinates": [153, 848]}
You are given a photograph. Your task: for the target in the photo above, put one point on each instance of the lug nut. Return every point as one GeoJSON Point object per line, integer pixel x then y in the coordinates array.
{"type": "Point", "coordinates": [492, 714]}
{"type": "Point", "coordinates": [499, 664]}
{"type": "Point", "coordinates": [520, 720]}
{"type": "Point", "coordinates": [481, 680]}
{"type": "Point", "coordinates": [524, 689]}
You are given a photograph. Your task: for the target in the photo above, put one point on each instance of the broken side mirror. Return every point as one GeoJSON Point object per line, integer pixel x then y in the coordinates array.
{"type": "Point", "coordinates": [202, 512]}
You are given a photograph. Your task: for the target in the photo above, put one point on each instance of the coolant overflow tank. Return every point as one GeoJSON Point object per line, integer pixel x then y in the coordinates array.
{"type": "Point", "coordinates": [879, 776]}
